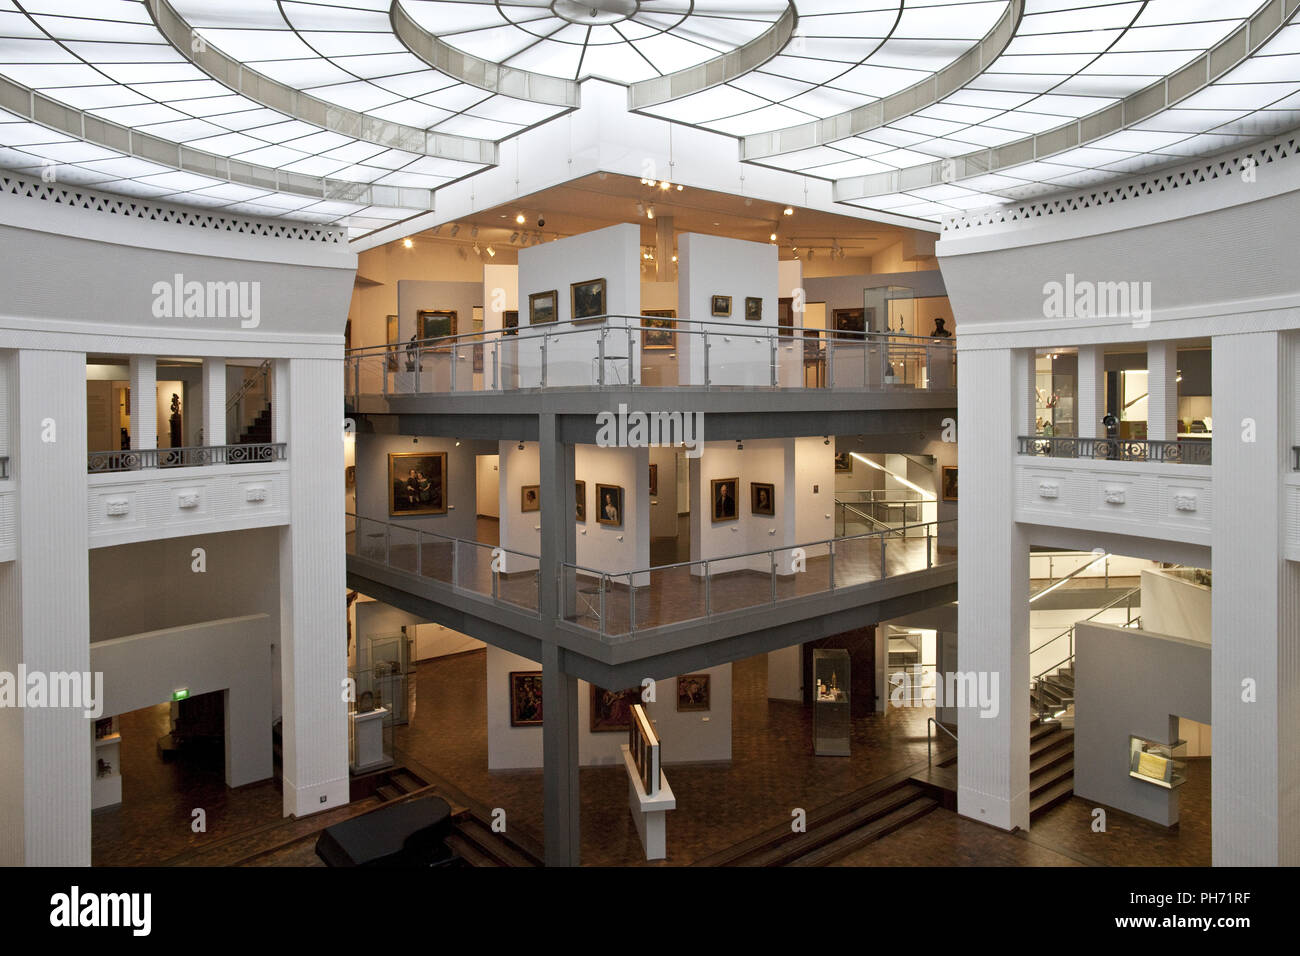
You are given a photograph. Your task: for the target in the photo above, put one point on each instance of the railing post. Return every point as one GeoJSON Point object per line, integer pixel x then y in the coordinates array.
{"type": "Point", "coordinates": [496, 363]}
{"type": "Point", "coordinates": [631, 603]}
{"type": "Point", "coordinates": [773, 357]}
{"type": "Point", "coordinates": [455, 564]}
{"type": "Point", "coordinates": [604, 586]}
{"type": "Point", "coordinates": [830, 362]}
{"type": "Point", "coordinates": [884, 572]}
{"type": "Point", "coordinates": [496, 579]}
{"type": "Point", "coordinates": [600, 358]}
{"type": "Point", "coordinates": [707, 374]}
{"type": "Point", "coordinates": [545, 336]}
{"type": "Point", "coordinates": [773, 553]}
{"type": "Point", "coordinates": [832, 553]}
{"type": "Point", "coordinates": [929, 550]}
{"type": "Point", "coordinates": [708, 595]}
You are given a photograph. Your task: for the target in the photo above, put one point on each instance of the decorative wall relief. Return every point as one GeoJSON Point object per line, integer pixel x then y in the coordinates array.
{"type": "Point", "coordinates": [1048, 489]}
{"type": "Point", "coordinates": [255, 493]}
{"type": "Point", "coordinates": [1184, 502]}
{"type": "Point", "coordinates": [115, 507]}
{"type": "Point", "coordinates": [187, 499]}
{"type": "Point", "coordinates": [1115, 496]}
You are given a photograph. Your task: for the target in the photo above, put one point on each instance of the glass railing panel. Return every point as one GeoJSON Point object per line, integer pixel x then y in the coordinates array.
{"type": "Point", "coordinates": [803, 570]}
{"type": "Point", "coordinates": [372, 539]}
{"type": "Point", "coordinates": [403, 548]}
{"type": "Point", "coordinates": [847, 359]}
{"type": "Point", "coordinates": [798, 362]}
{"type": "Point", "coordinates": [437, 557]}
{"type": "Point", "coordinates": [618, 607]}
{"type": "Point", "coordinates": [582, 597]}
{"type": "Point", "coordinates": [573, 361]}
{"type": "Point", "coordinates": [671, 595]}
{"type": "Point", "coordinates": [517, 579]}
{"type": "Point", "coordinates": [738, 359]}
{"type": "Point", "coordinates": [857, 560]}
{"type": "Point", "coordinates": [474, 571]}
{"type": "Point", "coordinates": [350, 533]}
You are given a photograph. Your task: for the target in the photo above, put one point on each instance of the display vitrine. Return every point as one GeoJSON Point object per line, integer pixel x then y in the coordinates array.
{"type": "Point", "coordinates": [832, 726]}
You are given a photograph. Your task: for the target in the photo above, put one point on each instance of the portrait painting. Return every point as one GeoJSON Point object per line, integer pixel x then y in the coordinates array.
{"type": "Point", "coordinates": [525, 698]}
{"type": "Point", "coordinates": [843, 463]}
{"type": "Point", "coordinates": [657, 328]}
{"type": "Point", "coordinates": [609, 505]}
{"type": "Point", "coordinates": [587, 299]}
{"type": "Point", "coordinates": [530, 498]}
{"type": "Point", "coordinates": [723, 497]}
{"type": "Point", "coordinates": [510, 322]}
{"type": "Point", "coordinates": [541, 307]}
{"type": "Point", "coordinates": [654, 479]}
{"type": "Point", "coordinates": [753, 308]}
{"type": "Point", "coordinates": [722, 305]}
{"type": "Point", "coordinates": [949, 482]}
{"type": "Point", "coordinates": [693, 692]}
{"type": "Point", "coordinates": [762, 498]}
{"type": "Point", "coordinates": [417, 484]}
{"type": "Point", "coordinates": [580, 502]}
{"type": "Point", "coordinates": [611, 710]}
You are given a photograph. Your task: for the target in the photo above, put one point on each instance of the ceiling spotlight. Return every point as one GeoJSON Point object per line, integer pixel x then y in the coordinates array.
{"type": "Point", "coordinates": [473, 233]}
{"type": "Point", "coordinates": [649, 182]}
{"type": "Point", "coordinates": [772, 237]}
{"type": "Point", "coordinates": [491, 252]}
{"type": "Point", "coordinates": [437, 229]}
{"type": "Point", "coordinates": [457, 442]}
{"type": "Point", "coordinates": [788, 211]}
{"type": "Point", "coordinates": [665, 185]}
{"type": "Point", "coordinates": [826, 439]}
{"type": "Point", "coordinates": [740, 444]}
{"type": "Point", "coordinates": [649, 212]}
{"type": "Point", "coordinates": [514, 237]}
{"type": "Point", "coordinates": [521, 446]}
{"type": "Point", "coordinates": [520, 219]}
{"type": "Point", "coordinates": [640, 209]}
{"type": "Point", "coordinates": [463, 253]}
{"type": "Point", "coordinates": [408, 243]}
{"type": "Point", "coordinates": [680, 187]}
{"type": "Point", "coordinates": [674, 257]}
{"type": "Point", "coordinates": [749, 201]}
{"type": "Point", "coordinates": [455, 228]}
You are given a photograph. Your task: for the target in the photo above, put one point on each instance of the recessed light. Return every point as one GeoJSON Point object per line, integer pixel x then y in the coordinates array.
{"type": "Point", "coordinates": [408, 243]}
{"type": "Point", "coordinates": [520, 219]}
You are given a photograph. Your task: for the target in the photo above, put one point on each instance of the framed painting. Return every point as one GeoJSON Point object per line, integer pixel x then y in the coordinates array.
{"type": "Point", "coordinates": [753, 308]}
{"type": "Point", "coordinates": [843, 463]}
{"type": "Point", "coordinates": [611, 710]}
{"type": "Point", "coordinates": [654, 479]}
{"type": "Point", "coordinates": [541, 307]}
{"type": "Point", "coordinates": [949, 482]}
{"type": "Point", "coordinates": [657, 327]}
{"type": "Point", "coordinates": [530, 498]}
{"type": "Point", "coordinates": [390, 337]}
{"type": "Point", "coordinates": [525, 698]}
{"type": "Point", "coordinates": [693, 692]}
{"type": "Point", "coordinates": [723, 498]}
{"type": "Point", "coordinates": [762, 498]}
{"type": "Point", "coordinates": [849, 323]}
{"type": "Point", "coordinates": [609, 505]}
{"type": "Point", "coordinates": [587, 300]}
{"type": "Point", "coordinates": [785, 315]}
{"type": "Point", "coordinates": [721, 305]}
{"type": "Point", "coordinates": [417, 484]}
{"type": "Point", "coordinates": [477, 357]}
{"type": "Point", "coordinates": [510, 322]}
{"type": "Point", "coordinates": [436, 324]}
{"type": "Point", "coordinates": [580, 502]}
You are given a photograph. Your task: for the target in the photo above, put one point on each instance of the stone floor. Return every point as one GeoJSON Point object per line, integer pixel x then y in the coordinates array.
{"type": "Point", "coordinates": [772, 771]}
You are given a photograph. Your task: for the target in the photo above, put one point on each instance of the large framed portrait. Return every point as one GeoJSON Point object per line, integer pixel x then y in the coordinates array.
{"type": "Point", "coordinates": [843, 463]}
{"type": "Point", "coordinates": [693, 692]}
{"type": "Point", "coordinates": [530, 498]}
{"type": "Point", "coordinates": [849, 323]}
{"type": "Point", "coordinates": [417, 484]}
{"type": "Point", "coordinates": [525, 698]}
{"type": "Point", "coordinates": [611, 710]}
{"type": "Point", "coordinates": [436, 324]}
{"type": "Point", "coordinates": [762, 498]}
{"type": "Point", "coordinates": [580, 502]}
{"type": "Point", "coordinates": [609, 505]}
{"type": "Point", "coordinates": [785, 315]}
{"type": "Point", "coordinates": [657, 327]}
{"type": "Point", "coordinates": [723, 497]}
{"type": "Point", "coordinates": [753, 308]}
{"type": "Point", "coordinates": [587, 300]}
{"type": "Point", "coordinates": [721, 304]}
{"type": "Point", "coordinates": [654, 479]}
{"type": "Point", "coordinates": [541, 307]}
{"type": "Point", "coordinates": [949, 482]}
{"type": "Point", "coordinates": [510, 322]}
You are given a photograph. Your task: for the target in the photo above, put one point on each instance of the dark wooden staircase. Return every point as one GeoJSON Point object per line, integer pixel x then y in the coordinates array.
{"type": "Point", "coordinates": [258, 431]}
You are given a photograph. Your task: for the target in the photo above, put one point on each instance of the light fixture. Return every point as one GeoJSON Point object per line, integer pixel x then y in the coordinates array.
{"type": "Point", "coordinates": [491, 252]}
{"type": "Point", "coordinates": [665, 185]}
{"type": "Point", "coordinates": [788, 211]}
{"type": "Point", "coordinates": [826, 439]}
{"type": "Point", "coordinates": [810, 254]}
{"type": "Point", "coordinates": [408, 243]}
{"type": "Point", "coordinates": [640, 208]}
{"type": "Point", "coordinates": [680, 187]}
{"type": "Point", "coordinates": [674, 257]}
{"type": "Point", "coordinates": [520, 219]}
{"type": "Point", "coordinates": [649, 212]}
{"type": "Point", "coordinates": [455, 228]}
{"type": "Point", "coordinates": [521, 445]}
{"type": "Point", "coordinates": [473, 233]}
{"type": "Point", "coordinates": [740, 445]}
{"type": "Point", "coordinates": [514, 237]}
{"type": "Point", "coordinates": [772, 237]}
{"type": "Point", "coordinates": [457, 442]}
{"type": "Point", "coordinates": [1180, 375]}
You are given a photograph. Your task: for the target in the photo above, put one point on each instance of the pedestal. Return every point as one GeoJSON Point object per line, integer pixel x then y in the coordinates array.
{"type": "Point", "coordinates": [648, 812]}
{"type": "Point", "coordinates": [368, 740]}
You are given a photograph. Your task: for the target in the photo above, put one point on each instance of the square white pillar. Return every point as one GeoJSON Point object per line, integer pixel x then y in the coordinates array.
{"type": "Point", "coordinates": [144, 402]}
{"type": "Point", "coordinates": [214, 401]}
{"type": "Point", "coordinates": [1091, 405]}
{"type": "Point", "coordinates": [1162, 390]}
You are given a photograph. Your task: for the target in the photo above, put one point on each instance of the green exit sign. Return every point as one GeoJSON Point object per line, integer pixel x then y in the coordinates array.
{"type": "Point", "coordinates": [181, 694]}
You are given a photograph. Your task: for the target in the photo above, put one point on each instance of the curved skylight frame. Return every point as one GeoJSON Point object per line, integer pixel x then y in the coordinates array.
{"type": "Point", "coordinates": [915, 98]}
{"type": "Point", "coordinates": [1191, 78]}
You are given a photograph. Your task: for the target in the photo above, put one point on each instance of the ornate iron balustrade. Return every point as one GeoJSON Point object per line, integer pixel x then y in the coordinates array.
{"type": "Point", "coordinates": [188, 457]}
{"type": "Point", "coordinates": [4, 467]}
{"type": "Point", "coordinates": [1295, 459]}
{"type": "Point", "coordinates": [1117, 449]}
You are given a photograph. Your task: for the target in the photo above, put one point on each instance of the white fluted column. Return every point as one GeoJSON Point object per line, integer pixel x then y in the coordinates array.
{"type": "Point", "coordinates": [144, 402]}
{"type": "Point", "coordinates": [308, 408]}
{"type": "Point", "coordinates": [1162, 390]}
{"type": "Point", "coordinates": [45, 622]}
{"type": "Point", "coordinates": [1091, 404]}
{"type": "Point", "coordinates": [214, 401]}
{"type": "Point", "coordinates": [994, 391]}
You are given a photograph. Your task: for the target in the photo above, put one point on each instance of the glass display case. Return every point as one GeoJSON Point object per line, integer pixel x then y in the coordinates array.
{"type": "Point", "coordinates": [1159, 764]}
{"type": "Point", "coordinates": [832, 726]}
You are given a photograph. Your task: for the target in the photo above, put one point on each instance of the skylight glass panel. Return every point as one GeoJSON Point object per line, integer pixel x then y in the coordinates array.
{"type": "Point", "coordinates": [756, 121]}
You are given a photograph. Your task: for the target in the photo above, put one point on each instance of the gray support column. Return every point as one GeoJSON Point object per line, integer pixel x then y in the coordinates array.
{"type": "Point", "coordinates": [558, 541]}
{"type": "Point", "coordinates": [1162, 390]}
{"type": "Point", "coordinates": [1092, 391]}
{"type": "Point", "coordinates": [1255, 654]}
{"type": "Point", "coordinates": [313, 585]}
{"type": "Point", "coordinates": [562, 808]}
{"type": "Point", "coordinates": [993, 568]}
{"type": "Point", "coordinates": [45, 624]}
{"type": "Point", "coordinates": [214, 401]}
{"type": "Point", "coordinates": [144, 402]}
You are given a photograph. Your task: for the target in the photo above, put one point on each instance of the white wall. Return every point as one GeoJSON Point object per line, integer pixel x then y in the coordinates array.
{"type": "Point", "coordinates": [372, 453]}
{"type": "Point", "coordinates": [234, 654]}
{"type": "Point", "coordinates": [714, 265]}
{"type": "Point", "coordinates": [487, 470]}
{"type": "Point", "coordinates": [688, 737]}
{"type": "Point", "coordinates": [1173, 606]}
{"type": "Point", "coordinates": [663, 507]}
{"type": "Point", "coordinates": [500, 288]}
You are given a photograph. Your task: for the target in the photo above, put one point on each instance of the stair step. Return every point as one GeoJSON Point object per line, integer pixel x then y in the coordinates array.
{"type": "Point", "coordinates": [783, 852]}
{"type": "Point", "coordinates": [1048, 778]}
{"type": "Point", "coordinates": [1051, 796]}
{"type": "Point", "coordinates": [1048, 741]}
{"type": "Point", "coordinates": [467, 851]}
{"type": "Point", "coordinates": [1050, 756]}
{"type": "Point", "coordinates": [873, 831]}
{"type": "Point", "coordinates": [406, 783]}
{"type": "Point", "coordinates": [386, 791]}
{"type": "Point", "coordinates": [494, 844]}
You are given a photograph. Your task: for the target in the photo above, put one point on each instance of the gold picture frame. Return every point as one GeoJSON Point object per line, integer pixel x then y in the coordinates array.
{"type": "Point", "coordinates": [530, 498]}
{"type": "Point", "coordinates": [417, 484]}
{"type": "Point", "coordinates": [753, 308]}
{"type": "Point", "coordinates": [762, 498]}
{"type": "Point", "coordinates": [720, 305]}
{"type": "Point", "coordinates": [609, 505]}
{"type": "Point", "coordinates": [543, 307]}
{"type": "Point", "coordinates": [722, 499]}
{"type": "Point", "coordinates": [580, 502]}
{"type": "Point", "coordinates": [587, 302]}
{"type": "Point", "coordinates": [948, 482]}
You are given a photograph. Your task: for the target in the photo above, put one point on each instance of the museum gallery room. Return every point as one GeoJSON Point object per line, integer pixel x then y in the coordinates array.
{"type": "Point", "coordinates": [520, 433]}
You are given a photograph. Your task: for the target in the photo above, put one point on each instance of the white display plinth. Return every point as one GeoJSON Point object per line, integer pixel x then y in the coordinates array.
{"type": "Point", "coordinates": [368, 740]}
{"type": "Point", "coordinates": [648, 812]}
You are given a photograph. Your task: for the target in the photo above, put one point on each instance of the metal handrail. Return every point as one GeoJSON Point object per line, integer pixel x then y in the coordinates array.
{"type": "Point", "coordinates": [886, 528]}
{"type": "Point", "coordinates": [1070, 631]}
{"type": "Point", "coordinates": [264, 369]}
{"type": "Point", "coordinates": [189, 456]}
{"type": "Point", "coordinates": [1183, 452]}
{"type": "Point", "coordinates": [929, 757]}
